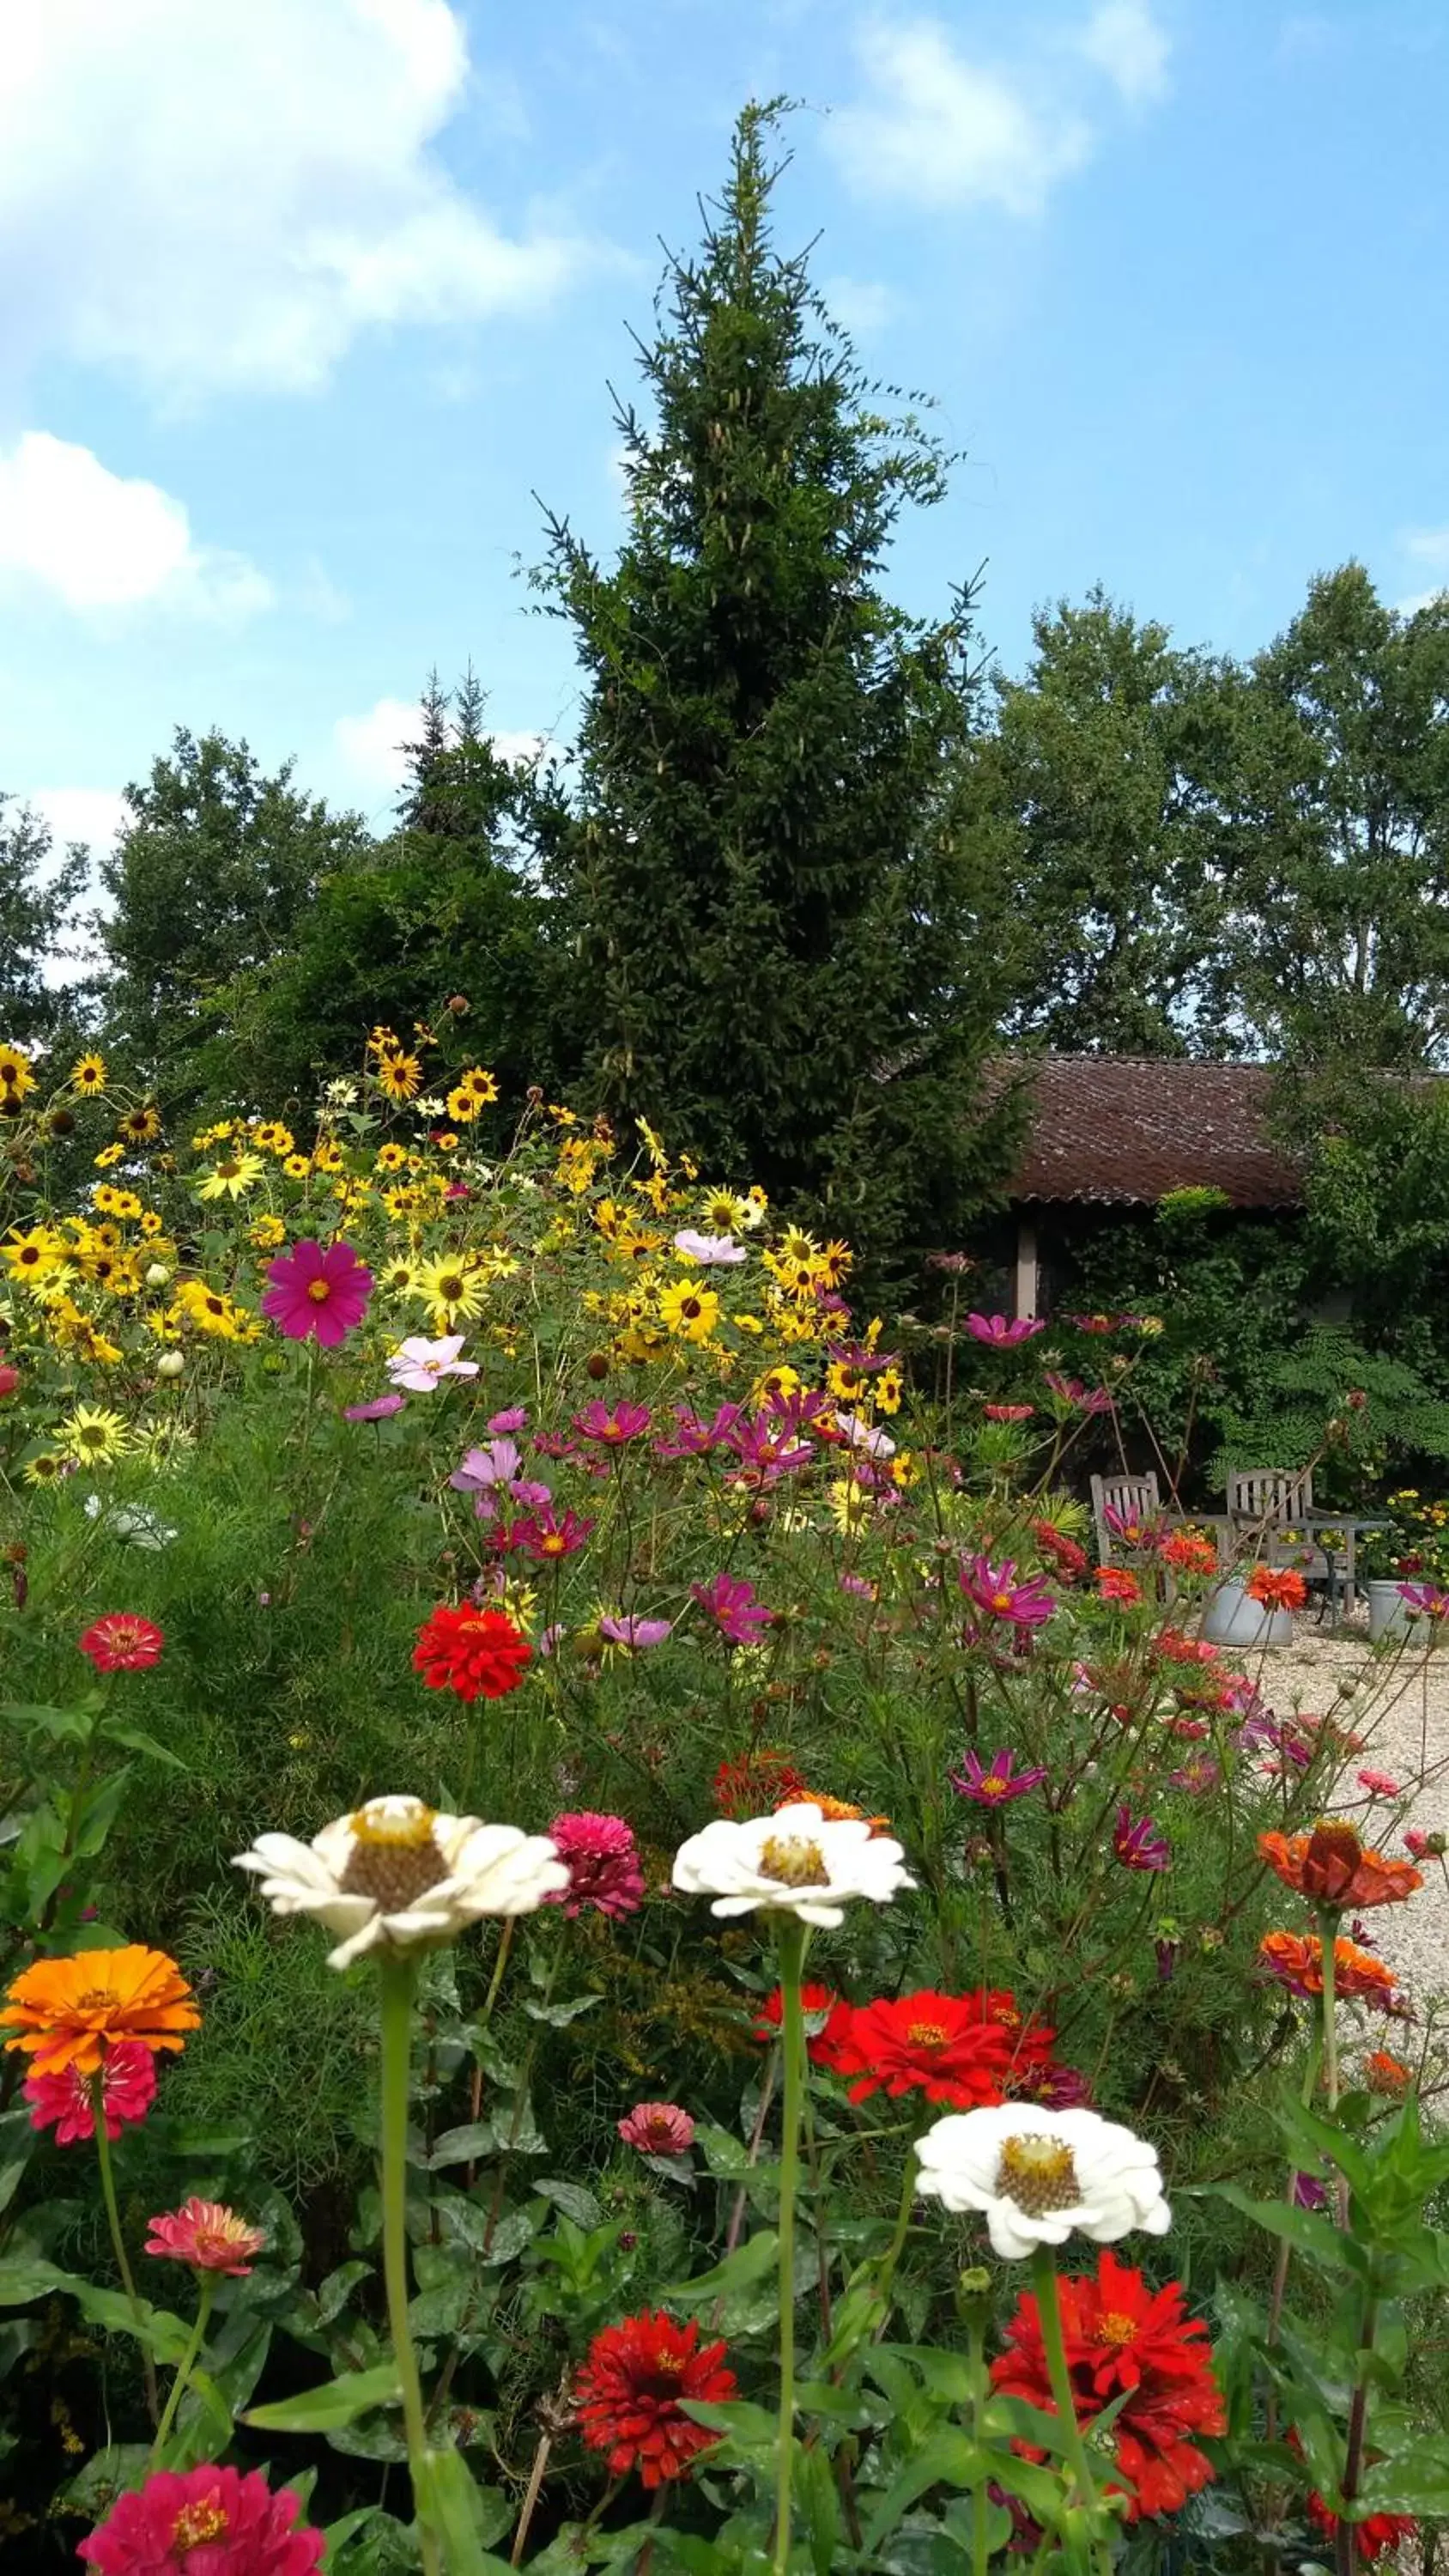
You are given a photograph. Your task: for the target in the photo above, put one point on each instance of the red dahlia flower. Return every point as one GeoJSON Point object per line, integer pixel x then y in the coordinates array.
{"type": "Point", "coordinates": [1124, 2339]}
{"type": "Point", "coordinates": [629, 2392]}
{"type": "Point", "coordinates": [122, 1643]}
{"type": "Point", "coordinates": [319, 1292]}
{"type": "Point", "coordinates": [214, 2522]}
{"type": "Point", "coordinates": [824, 2046]}
{"type": "Point", "coordinates": [473, 1652]}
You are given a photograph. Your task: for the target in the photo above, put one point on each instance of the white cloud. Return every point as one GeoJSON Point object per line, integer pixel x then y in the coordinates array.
{"type": "Point", "coordinates": [1123, 40]}
{"type": "Point", "coordinates": [938, 129]}
{"type": "Point", "coordinates": [97, 540]}
{"type": "Point", "coordinates": [91, 814]}
{"type": "Point", "coordinates": [213, 193]}
{"type": "Point", "coordinates": [371, 743]}
{"type": "Point", "coordinates": [1427, 549]}
{"type": "Point", "coordinates": [860, 304]}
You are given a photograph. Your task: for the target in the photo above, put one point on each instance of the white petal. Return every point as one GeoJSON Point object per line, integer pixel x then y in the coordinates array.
{"type": "Point", "coordinates": [367, 1939]}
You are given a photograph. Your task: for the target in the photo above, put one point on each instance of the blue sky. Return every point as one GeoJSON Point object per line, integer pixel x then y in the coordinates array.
{"type": "Point", "coordinates": [301, 301]}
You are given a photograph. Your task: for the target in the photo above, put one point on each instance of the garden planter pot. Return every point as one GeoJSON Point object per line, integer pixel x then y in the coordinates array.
{"type": "Point", "coordinates": [1233, 1618]}
{"type": "Point", "coordinates": [1388, 1611]}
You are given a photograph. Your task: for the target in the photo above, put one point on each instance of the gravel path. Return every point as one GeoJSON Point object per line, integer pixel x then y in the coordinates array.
{"type": "Point", "coordinates": [1400, 1707]}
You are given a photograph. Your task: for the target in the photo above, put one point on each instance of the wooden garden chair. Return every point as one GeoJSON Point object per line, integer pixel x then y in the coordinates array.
{"type": "Point", "coordinates": [1132, 1498]}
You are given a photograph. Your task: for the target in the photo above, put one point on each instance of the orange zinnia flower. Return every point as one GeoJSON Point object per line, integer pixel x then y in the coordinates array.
{"type": "Point", "coordinates": [70, 2012]}
{"type": "Point", "coordinates": [1277, 1587]}
{"type": "Point", "coordinates": [838, 1811]}
{"type": "Point", "coordinates": [1357, 1974]}
{"type": "Point", "coordinates": [1331, 1866]}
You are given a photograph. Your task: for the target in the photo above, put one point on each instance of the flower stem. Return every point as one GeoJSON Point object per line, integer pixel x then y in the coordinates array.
{"type": "Point", "coordinates": [395, 1990]}
{"type": "Point", "coordinates": [123, 2264]}
{"type": "Point", "coordinates": [1044, 2282]}
{"type": "Point", "coordinates": [980, 2499]}
{"type": "Point", "coordinates": [792, 1937]}
{"type": "Point", "coordinates": [206, 2292]}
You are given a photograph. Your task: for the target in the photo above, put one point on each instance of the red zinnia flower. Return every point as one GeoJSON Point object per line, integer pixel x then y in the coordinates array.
{"type": "Point", "coordinates": [1066, 1559]}
{"type": "Point", "coordinates": [1277, 1587]}
{"type": "Point", "coordinates": [1121, 2337]}
{"type": "Point", "coordinates": [952, 2048]}
{"type": "Point", "coordinates": [1189, 1552]}
{"type": "Point", "coordinates": [471, 1651]}
{"type": "Point", "coordinates": [216, 2520]}
{"type": "Point", "coordinates": [824, 2047]}
{"type": "Point", "coordinates": [122, 1643]}
{"type": "Point", "coordinates": [629, 2392]}
{"type": "Point", "coordinates": [1118, 1583]}
{"type": "Point", "coordinates": [64, 2101]}
{"type": "Point", "coordinates": [602, 1860]}
{"type": "Point", "coordinates": [1372, 2537]}
{"type": "Point", "coordinates": [312, 1291]}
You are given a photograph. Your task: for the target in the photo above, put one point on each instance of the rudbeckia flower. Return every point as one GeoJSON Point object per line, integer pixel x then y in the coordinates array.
{"type": "Point", "coordinates": [398, 1875]}
{"type": "Point", "coordinates": [794, 1862]}
{"type": "Point", "coordinates": [1039, 2176]}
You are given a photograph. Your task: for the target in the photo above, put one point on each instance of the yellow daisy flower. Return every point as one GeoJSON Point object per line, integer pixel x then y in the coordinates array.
{"type": "Point", "coordinates": [93, 1435]}
{"type": "Point", "coordinates": [453, 1289]}
{"type": "Point", "coordinates": [689, 1310]}
{"type": "Point", "coordinates": [108, 1156]}
{"type": "Point", "coordinates": [399, 1076]}
{"type": "Point", "coordinates": [88, 1074]}
{"type": "Point", "coordinates": [232, 1177]}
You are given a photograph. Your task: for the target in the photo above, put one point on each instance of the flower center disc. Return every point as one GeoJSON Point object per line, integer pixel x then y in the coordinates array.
{"type": "Point", "coordinates": [1038, 2174]}
{"type": "Point", "coordinates": [395, 1858]}
{"type": "Point", "coordinates": [195, 2524]}
{"type": "Point", "coordinates": [319, 1290]}
{"type": "Point", "coordinates": [1114, 2328]}
{"type": "Point", "coordinates": [793, 1861]}
{"type": "Point", "coordinates": [926, 2034]}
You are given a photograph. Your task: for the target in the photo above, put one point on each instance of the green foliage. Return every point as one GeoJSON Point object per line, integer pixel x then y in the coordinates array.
{"type": "Point", "coordinates": [37, 904]}
{"type": "Point", "coordinates": [1327, 1393]}
{"type": "Point", "coordinates": [772, 882]}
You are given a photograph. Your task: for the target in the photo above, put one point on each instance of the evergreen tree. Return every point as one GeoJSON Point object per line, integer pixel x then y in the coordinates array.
{"type": "Point", "coordinates": [37, 899]}
{"type": "Point", "coordinates": [765, 867]}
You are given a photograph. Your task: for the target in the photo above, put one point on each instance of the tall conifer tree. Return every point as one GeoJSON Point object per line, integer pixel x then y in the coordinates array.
{"type": "Point", "coordinates": [773, 898]}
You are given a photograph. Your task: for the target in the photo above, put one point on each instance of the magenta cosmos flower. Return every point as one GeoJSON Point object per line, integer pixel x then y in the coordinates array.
{"type": "Point", "coordinates": [636, 1634]}
{"type": "Point", "coordinates": [658, 2129]}
{"type": "Point", "coordinates": [317, 1292]}
{"type": "Point", "coordinates": [611, 1425]}
{"type": "Point", "coordinates": [545, 1536]}
{"type": "Point", "coordinates": [376, 1409]}
{"type": "Point", "coordinates": [602, 1860]}
{"type": "Point", "coordinates": [1001, 1333]}
{"type": "Point", "coordinates": [215, 2522]}
{"type": "Point", "coordinates": [995, 1783]}
{"type": "Point", "coordinates": [731, 1604]}
{"type": "Point", "coordinates": [63, 2102]}
{"type": "Point", "coordinates": [1137, 1842]}
{"type": "Point", "coordinates": [995, 1589]}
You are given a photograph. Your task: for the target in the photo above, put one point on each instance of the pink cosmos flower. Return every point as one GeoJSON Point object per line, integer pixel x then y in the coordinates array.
{"type": "Point", "coordinates": [695, 1438]}
{"type": "Point", "coordinates": [546, 1537]}
{"type": "Point", "coordinates": [497, 1464]}
{"type": "Point", "coordinates": [864, 1436]}
{"type": "Point", "coordinates": [376, 1409]}
{"type": "Point", "coordinates": [602, 1860]}
{"type": "Point", "coordinates": [1422, 1846]}
{"type": "Point", "coordinates": [514, 1417]}
{"type": "Point", "coordinates": [767, 1449]}
{"type": "Point", "coordinates": [212, 2522]}
{"type": "Point", "coordinates": [1379, 1784]}
{"type": "Point", "coordinates": [1137, 1842]}
{"type": "Point", "coordinates": [658, 2129]}
{"type": "Point", "coordinates": [731, 1604]}
{"type": "Point", "coordinates": [612, 1425]}
{"type": "Point", "coordinates": [637, 1634]}
{"type": "Point", "coordinates": [1003, 1335]}
{"type": "Point", "coordinates": [319, 1292]}
{"type": "Point", "coordinates": [208, 2236]}
{"type": "Point", "coordinates": [995, 1783]}
{"type": "Point", "coordinates": [420, 1364]}
{"type": "Point", "coordinates": [63, 2102]}
{"type": "Point", "coordinates": [995, 1589]}
{"type": "Point", "coordinates": [1008, 1412]}
{"type": "Point", "coordinates": [1425, 1600]}
{"type": "Point", "coordinates": [711, 1251]}
{"type": "Point", "coordinates": [1070, 1390]}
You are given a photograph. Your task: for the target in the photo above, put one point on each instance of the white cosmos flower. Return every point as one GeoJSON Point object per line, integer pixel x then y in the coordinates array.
{"type": "Point", "coordinates": [794, 1862]}
{"type": "Point", "coordinates": [711, 1251]}
{"type": "Point", "coordinates": [1041, 2176]}
{"type": "Point", "coordinates": [396, 1875]}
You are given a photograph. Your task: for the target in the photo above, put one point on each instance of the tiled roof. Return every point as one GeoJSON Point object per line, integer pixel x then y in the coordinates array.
{"type": "Point", "coordinates": [1130, 1128]}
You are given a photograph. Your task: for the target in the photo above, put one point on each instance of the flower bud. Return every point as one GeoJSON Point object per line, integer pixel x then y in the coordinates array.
{"type": "Point", "coordinates": [170, 1364]}
{"type": "Point", "coordinates": [157, 1275]}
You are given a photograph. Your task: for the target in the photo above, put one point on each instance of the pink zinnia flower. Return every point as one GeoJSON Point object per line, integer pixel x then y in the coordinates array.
{"type": "Point", "coordinates": [319, 1292]}
{"type": "Point", "coordinates": [658, 2129]}
{"type": "Point", "coordinates": [602, 1860]}
{"type": "Point", "coordinates": [207, 2235]}
{"type": "Point", "coordinates": [212, 2522]}
{"type": "Point", "coordinates": [995, 1589]}
{"type": "Point", "coordinates": [1379, 1784]}
{"type": "Point", "coordinates": [1002, 1334]}
{"type": "Point", "coordinates": [731, 1604]}
{"type": "Point", "coordinates": [122, 1642]}
{"type": "Point", "coordinates": [612, 1424]}
{"type": "Point", "coordinates": [63, 2102]}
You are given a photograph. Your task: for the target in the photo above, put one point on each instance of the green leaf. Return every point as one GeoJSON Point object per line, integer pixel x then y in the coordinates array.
{"type": "Point", "coordinates": [748, 2264]}
{"type": "Point", "coordinates": [164, 2334]}
{"type": "Point", "coordinates": [136, 1740]}
{"type": "Point", "coordinates": [573, 2198]}
{"type": "Point", "coordinates": [949, 2458]}
{"type": "Point", "coordinates": [558, 2016]}
{"type": "Point", "coordinates": [463, 2145]}
{"type": "Point", "coordinates": [337, 2401]}
{"type": "Point", "coordinates": [463, 2518]}
{"type": "Point", "coordinates": [24, 2277]}
{"type": "Point", "coordinates": [62, 1725]}
{"type": "Point", "coordinates": [1299, 2227]}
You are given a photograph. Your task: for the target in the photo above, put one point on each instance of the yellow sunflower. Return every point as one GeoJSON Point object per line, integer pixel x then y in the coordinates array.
{"type": "Point", "coordinates": [232, 1177]}
{"type": "Point", "coordinates": [274, 1138]}
{"type": "Point", "coordinates": [391, 1158]}
{"type": "Point", "coordinates": [93, 1435]}
{"type": "Point", "coordinates": [140, 1126]}
{"type": "Point", "coordinates": [108, 1156]}
{"type": "Point", "coordinates": [688, 1310]}
{"type": "Point", "coordinates": [399, 1076]}
{"type": "Point", "coordinates": [16, 1077]}
{"type": "Point", "coordinates": [453, 1290]}
{"type": "Point", "coordinates": [37, 1254]}
{"type": "Point", "coordinates": [298, 1167]}
{"type": "Point", "coordinates": [88, 1074]}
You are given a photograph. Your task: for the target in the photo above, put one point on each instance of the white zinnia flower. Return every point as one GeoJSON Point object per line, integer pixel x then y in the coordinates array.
{"type": "Point", "coordinates": [396, 1875]}
{"type": "Point", "coordinates": [1041, 2176]}
{"type": "Point", "coordinates": [794, 1862]}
